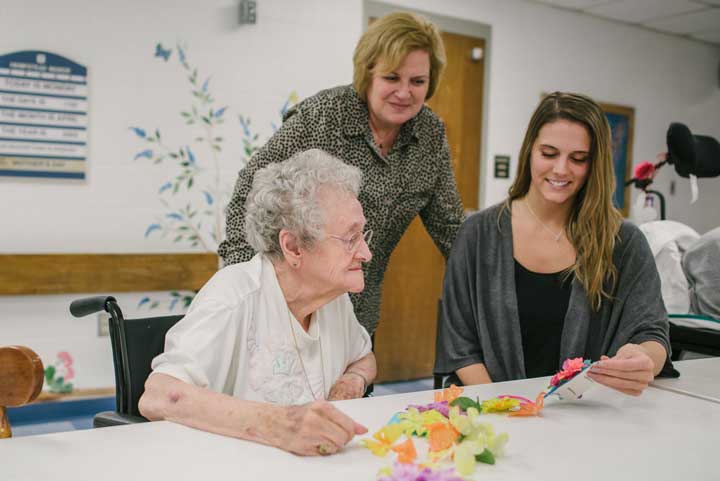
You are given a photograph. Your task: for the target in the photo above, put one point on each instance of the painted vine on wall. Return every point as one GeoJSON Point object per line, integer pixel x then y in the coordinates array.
{"type": "Point", "coordinates": [193, 199]}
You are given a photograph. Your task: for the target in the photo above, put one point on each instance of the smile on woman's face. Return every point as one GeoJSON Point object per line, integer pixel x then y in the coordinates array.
{"type": "Point", "coordinates": [560, 161]}
{"type": "Point", "coordinates": [396, 96]}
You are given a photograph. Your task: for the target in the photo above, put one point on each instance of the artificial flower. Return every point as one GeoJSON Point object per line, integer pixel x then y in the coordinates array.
{"type": "Point", "coordinates": [441, 436]}
{"type": "Point", "coordinates": [531, 408]}
{"type": "Point", "coordinates": [465, 453]}
{"type": "Point", "coordinates": [496, 444]}
{"type": "Point", "coordinates": [416, 422]}
{"type": "Point", "coordinates": [385, 437]}
{"type": "Point", "coordinates": [406, 451]}
{"type": "Point", "coordinates": [570, 368]}
{"type": "Point", "coordinates": [499, 405]}
{"type": "Point", "coordinates": [448, 394]}
{"type": "Point", "coordinates": [573, 365]}
{"type": "Point", "coordinates": [435, 459]}
{"type": "Point", "coordinates": [416, 472]}
{"type": "Point", "coordinates": [463, 423]}
{"type": "Point", "coordinates": [644, 170]}
{"type": "Point", "coordinates": [442, 407]}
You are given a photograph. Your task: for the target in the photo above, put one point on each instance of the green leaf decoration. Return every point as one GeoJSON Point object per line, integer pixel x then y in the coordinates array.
{"type": "Point", "coordinates": [49, 373]}
{"type": "Point", "coordinates": [465, 403]}
{"type": "Point", "coordinates": [486, 457]}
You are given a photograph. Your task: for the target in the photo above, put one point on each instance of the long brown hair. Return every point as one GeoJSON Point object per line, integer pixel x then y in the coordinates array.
{"type": "Point", "coordinates": [594, 222]}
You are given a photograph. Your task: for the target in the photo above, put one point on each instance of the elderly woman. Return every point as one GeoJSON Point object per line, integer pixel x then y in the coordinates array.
{"type": "Point", "coordinates": [266, 342]}
{"type": "Point", "coordinates": [381, 125]}
{"type": "Point", "coordinates": [553, 272]}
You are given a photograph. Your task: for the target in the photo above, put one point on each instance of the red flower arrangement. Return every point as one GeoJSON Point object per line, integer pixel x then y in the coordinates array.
{"type": "Point", "coordinates": [645, 170]}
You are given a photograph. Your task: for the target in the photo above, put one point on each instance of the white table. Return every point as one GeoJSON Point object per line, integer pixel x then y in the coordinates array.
{"type": "Point", "coordinates": [698, 378]}
{"type": "Point", "coordinates": [606, 437]}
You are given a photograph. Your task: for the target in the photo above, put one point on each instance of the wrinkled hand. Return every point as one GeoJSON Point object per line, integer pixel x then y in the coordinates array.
{"type": "Point", "coordinates": [316, 428]}
{"type": "Point", "coordinates": [629, 371]}
{"type": "Point", "coordinates": [348, 386]}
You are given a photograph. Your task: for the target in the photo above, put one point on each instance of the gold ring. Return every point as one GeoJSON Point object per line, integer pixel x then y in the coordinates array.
{"type": "Point", "coordinates": [325, 448]}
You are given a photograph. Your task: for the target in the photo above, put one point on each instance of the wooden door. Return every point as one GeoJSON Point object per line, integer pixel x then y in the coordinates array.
{"type": "Point", "coordinates": [405, 338]}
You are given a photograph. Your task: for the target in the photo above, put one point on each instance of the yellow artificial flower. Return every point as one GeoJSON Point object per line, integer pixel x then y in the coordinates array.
{"type": "Point", "coordinates": [499, 405]}
{"type": "Point", "coordinates": [385, 437]}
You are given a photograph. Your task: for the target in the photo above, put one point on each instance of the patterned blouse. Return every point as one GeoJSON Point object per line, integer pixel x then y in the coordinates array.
{"type": "Point", "coordinates": [414, 178]}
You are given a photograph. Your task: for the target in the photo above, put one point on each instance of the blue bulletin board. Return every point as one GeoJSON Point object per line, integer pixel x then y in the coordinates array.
{"type": "Point", "coordinates": [621, 121]}
{"type": "Point", "coordinates": [43, 116]}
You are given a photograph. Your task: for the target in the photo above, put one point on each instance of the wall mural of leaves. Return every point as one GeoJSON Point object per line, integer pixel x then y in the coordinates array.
{"type": "Point", "coordinates": [193, 199]}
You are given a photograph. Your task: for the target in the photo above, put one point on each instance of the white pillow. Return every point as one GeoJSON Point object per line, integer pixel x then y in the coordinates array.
{"type": "Point", "coordinates": [668, 242]}
{"type": "Point", "coordinates": [702, 268]}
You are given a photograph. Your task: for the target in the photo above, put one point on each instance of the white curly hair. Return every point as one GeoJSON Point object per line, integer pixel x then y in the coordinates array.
{"type": "Point", "coordinates": [284, 196]}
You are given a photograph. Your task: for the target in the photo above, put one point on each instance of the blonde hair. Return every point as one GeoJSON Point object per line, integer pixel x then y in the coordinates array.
{"type": "Point", "coordinates": [389, 40]}
{"type": "Point", "coordinates": [594, 222]}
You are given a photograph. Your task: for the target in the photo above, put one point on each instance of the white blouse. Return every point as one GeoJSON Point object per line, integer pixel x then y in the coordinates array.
{"type": "Point", "coordinates": [236, 339]}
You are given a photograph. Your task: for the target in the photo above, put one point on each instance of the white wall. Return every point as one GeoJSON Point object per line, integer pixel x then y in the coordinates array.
{"type": "Point", "coordinates": [537, 49]}
{"type": "Point", "coordinates": [301, 46]}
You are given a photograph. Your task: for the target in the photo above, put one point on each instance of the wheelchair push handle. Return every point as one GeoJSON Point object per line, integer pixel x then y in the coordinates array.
{"type": "Point", "coordinates": [89, 305]}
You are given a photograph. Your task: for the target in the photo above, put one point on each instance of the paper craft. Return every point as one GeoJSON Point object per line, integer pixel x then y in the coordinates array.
{"type": "Point", "coordinates": [572, 381]}
{"type": "Point", "coordinates": [530, 408]}
{"type": "Point", "coordinates": [406, 451]}
{"type": "Point", "coordinates": [503, 404]}
{"type": "Point", "coordinates": [452, 433]}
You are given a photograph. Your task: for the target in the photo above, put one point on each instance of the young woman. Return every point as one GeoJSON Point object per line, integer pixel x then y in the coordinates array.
{"type": "Point", "coordinates": [553, 272]}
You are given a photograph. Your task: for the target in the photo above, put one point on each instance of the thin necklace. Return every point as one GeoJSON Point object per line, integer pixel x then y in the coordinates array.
{"type": "Point", "coordinates": [302, 364]}
{"type": "Point", "coordinates": [556, 237]}
{"type": "Point", "coordinates": [382, 141]}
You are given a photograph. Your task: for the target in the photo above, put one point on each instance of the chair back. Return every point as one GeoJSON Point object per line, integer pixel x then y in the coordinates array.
{"type": "Point", "coordinates": [21, 379]}
{"type": "Point", "coordinates": [135, 344]}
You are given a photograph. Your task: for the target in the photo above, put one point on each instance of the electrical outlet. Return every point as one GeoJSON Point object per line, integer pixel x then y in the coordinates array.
{"type": "Point", "coordinates": [103, 324]}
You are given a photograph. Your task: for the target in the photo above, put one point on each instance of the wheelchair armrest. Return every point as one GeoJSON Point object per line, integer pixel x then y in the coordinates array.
{"type": "Point", "coordinates": [114, 418]}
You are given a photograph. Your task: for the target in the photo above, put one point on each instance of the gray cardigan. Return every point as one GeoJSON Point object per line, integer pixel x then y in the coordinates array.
{"type": "Point", "coordinates": [479, 317]}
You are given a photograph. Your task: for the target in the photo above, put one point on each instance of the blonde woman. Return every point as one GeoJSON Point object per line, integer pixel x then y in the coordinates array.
{"type": "Point", "coordinates": [381, 125]}
{"type": "Point", "coordinates": [553, 272]}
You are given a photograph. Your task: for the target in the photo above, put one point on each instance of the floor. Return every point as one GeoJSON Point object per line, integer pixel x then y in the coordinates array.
{"type": "Point", "coordinates": [73, 415]}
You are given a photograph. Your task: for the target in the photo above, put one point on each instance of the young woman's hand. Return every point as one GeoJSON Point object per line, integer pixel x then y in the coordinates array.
{"type": "Point", "coordinates": [629, 371]}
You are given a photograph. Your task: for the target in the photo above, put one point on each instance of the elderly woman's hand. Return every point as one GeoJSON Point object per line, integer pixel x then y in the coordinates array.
{"type": "Point", "coordinates": [629, 371]}
{"type": "Point", "coordinates": [348, 386]}
{"type": "Point", "coordinates": [316, 428]}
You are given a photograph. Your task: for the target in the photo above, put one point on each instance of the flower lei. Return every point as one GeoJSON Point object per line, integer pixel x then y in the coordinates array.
{"type": "Point", "coordinates": [454, 431]}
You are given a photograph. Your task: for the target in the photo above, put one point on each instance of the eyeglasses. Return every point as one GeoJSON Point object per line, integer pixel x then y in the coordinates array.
{"type": "Point", "coordinates": [353, 242]}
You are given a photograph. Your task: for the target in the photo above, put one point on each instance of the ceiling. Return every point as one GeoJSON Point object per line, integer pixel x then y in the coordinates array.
{"type": "Point", "coordinates": [695, 19]}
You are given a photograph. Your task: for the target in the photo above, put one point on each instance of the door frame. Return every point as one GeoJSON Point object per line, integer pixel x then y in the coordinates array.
{"type": "Point", "coordinates": [376, 9]}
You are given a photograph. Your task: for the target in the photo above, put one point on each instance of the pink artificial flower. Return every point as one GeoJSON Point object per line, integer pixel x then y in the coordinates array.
{"type": "Point", "coordinates": [65, 358]}
{"type": "Point", "coordinates": [573, 365]}
{"type": "Point", "coordinates": [644, 170]}
{"type": "Point", "coordinates": [69, 373]}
